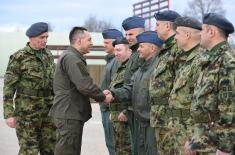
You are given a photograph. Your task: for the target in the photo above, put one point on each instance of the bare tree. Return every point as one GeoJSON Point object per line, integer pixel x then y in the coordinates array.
{"type": "Point", "coordinates": [198, 8]}
{"type": "Point", "coordinates": [95, 25]}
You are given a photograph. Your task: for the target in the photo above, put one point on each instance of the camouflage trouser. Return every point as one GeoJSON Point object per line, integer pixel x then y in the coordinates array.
{"type": "Point", "coordinates": [121, 135]}
{"type": "Point", "coordinates": [172, 138]}
{"type": "Point", "coordinates": [164, 143]}
{"type": "Point", "coordinates": [35, 135]}
{"type": "Point", "coordinates": [208, 140]}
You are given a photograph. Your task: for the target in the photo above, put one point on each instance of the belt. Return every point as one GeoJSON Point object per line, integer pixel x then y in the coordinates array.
{"type": "Point", "coordinates": [159, 100]}
{"type": "Point", "coordinates": [206, 117]}
{"type": "Point", "coordinates": [184, 113]}
{"type": "Point", "coordinates": [35, 92]}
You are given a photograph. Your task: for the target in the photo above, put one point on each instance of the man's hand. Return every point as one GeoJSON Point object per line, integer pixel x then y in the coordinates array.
{"type": "Point", "coordinates": [109, 96]}
{"type": "Point", "coordinates": [122, 117]}
{"type": "Point", "coordinates": [187, 149]}
{"type": "Point", "coordinates": [11, 122]}
{"type": "Point", "coordinates": [218, 152]}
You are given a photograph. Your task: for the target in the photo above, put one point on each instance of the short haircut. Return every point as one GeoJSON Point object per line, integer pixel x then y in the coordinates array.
{"type": "Point", "coordinates": [75, 32]}
{"type": "Point", "coordinates": [221, 32]}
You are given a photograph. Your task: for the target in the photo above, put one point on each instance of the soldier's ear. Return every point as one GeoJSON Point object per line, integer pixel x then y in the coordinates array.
{"type": "Point", "coordinates": [189, 34]}
{"type": "Point", "coordinates": [211, 31]}
{"type": "Point", "coordinates": [78, 41]}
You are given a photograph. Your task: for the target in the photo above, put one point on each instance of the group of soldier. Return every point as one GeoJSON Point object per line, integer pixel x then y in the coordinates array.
{"type": "Point", "coordinates": [169, 92]}
{"type": "Point", "coordinates": [175, 95]}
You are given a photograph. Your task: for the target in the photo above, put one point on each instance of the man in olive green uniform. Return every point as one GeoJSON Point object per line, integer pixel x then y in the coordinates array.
{"type": "Point", "coordinates": [118, 112]}
{"type": "Point", "coordinates": [132, 26]}
{"type": "Point", "coordinates": [188, 39]}
{"type": "Point", "coordinates": [109, 36]}
{"type": "Point", "coordinates": [73, 86]}
{"type": "Point", "coordinates": [163, 76]}
{"type": "Point", "coordinates": [213, 105]}
{"type": "Point", "coordinates": [137, 92]}
{"type": "Point", "coordinates": [28, 94]}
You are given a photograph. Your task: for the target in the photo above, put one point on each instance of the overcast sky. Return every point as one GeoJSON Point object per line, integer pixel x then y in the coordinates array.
{"type": "Point", "coordinates": [64, 14]}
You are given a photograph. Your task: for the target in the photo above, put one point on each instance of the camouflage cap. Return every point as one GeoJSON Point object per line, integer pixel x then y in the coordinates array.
{"type": "Point", "coordinates": [36, 29]}
{"type": "Point", "coordinates": [188, 22]}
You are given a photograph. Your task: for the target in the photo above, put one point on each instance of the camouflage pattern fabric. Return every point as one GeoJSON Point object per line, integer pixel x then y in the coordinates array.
{"type": "Point", "coordinates": [180, 101]}
{"type": "Point", "coordinates": [213, 106]}
{"type": "Point", "coordinates": [121, 135]}
{"type": "Point", "coordinates": [161, 83]}
{"type": "Point", "coordinates": [30, 141]}
{"type": "Point", "coordinates": [121, 130]}
{"type": "Point", "coordinates": [29, 77]}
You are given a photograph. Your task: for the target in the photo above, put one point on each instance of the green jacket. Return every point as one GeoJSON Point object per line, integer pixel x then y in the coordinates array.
{"type": "Point", "coordinates": [109, 70]}
{"type": "Point", "coordinates": [133, 64]}
{"type": "Point", "coordinates": [72, 87]}
{"type": "Point", "coordinates": [137, 91]}
{"type": "Point", "coordinates": [29, 76]}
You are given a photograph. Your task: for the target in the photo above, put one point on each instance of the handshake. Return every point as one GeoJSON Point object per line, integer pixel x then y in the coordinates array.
{"type": "Point", "coordinates": [108, 96]}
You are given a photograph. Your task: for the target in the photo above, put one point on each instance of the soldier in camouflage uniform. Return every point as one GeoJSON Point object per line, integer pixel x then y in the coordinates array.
{"type": "Point", "coordinates": [28, 94]}
{"type": "Point", "coordinates": [118, 112]}
{"type": "Point", "coordinates": [110, 68]}
{"type": "Point", "coordinates": [163, 75]}
{"type": "Point", "coordinates": [132, 26]}
{"type": "Point", "coordinates": [179, 120]}
{"type": "Point", "coordinates": [213, 106]}
{"type": "Point", "coordinates": [137, 92]}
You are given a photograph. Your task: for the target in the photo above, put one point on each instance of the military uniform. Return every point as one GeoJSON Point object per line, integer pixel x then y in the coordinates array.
{"type": "Point", "coordinates": [121, 130]}
{"type": "Point", "coordinates": [133, 64]}
{"type": "Point", "coordinates": [109, 71]}
{"type": "Point", "coordinates": [213, 107]}
{"type": "Point", "coordinates": [137, 92]}
{"type": "Point", "coordinates": [71, 109]}
{"type": "Point", "coordinates": [161, 83]}
{"type": "Point", "coordinates": [29, 77]}
{"type": "Point", "coordinates": [180, 98]}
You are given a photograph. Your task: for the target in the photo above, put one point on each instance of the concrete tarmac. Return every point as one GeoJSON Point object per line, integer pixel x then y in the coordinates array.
{"type": "Point", "coordinates": [93, 142]}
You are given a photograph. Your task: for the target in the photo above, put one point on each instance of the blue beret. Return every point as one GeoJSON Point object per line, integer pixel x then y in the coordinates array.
{"type": "Point", "coordinates": [218, 21]}
{"type": "Point", "coordinates": [111, 34]}
{"type": "Point", "coordinates": [121, 40]}
{"type": "Point", "coordinates": [188, 22]}
{"type": "Point", "coordinates": [133, 22]}
{"type": "Point", "coordinates": [149, 37]}
{"type": "Point", "coordinates": [36, 29]}
{"type": "Point", "coordinates": [167, 15]}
